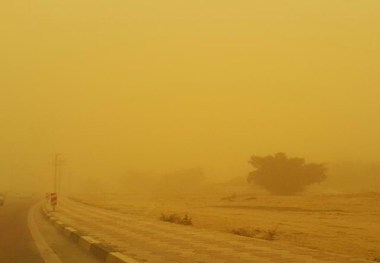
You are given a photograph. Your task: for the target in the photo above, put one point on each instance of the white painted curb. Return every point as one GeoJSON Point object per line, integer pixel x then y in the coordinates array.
{"type": "Point", "coordinates": [88, 243]}
{"type": "Point", "coordinates": [117, 257]}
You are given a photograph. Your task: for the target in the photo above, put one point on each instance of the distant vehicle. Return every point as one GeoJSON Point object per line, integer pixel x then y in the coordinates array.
{"type": "Point", "coordinates": [2, 199]}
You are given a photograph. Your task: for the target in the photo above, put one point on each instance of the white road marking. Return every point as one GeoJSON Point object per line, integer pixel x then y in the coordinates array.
{"type": "Point", "coordinates": [46, 252]}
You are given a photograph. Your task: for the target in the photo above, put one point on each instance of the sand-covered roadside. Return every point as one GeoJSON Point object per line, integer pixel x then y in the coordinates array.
{"type": "Point", "coordinates": [344, 224]}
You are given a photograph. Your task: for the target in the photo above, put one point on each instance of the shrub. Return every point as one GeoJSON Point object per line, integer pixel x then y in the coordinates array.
{"type": "Point", "coordinates": [177, 219]}
{"type": "Point", "coordinates": [270, 234]}
{"type": "Point", "coordinates": [229, 197]}
{"type": "Point", "coordinates": [245, 232]}
{"type": "Point", "coordinates": [256, 233]}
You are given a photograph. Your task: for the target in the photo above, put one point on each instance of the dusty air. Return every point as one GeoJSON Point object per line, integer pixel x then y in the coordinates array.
{"type": "Point", "coordinates": [189, 131]}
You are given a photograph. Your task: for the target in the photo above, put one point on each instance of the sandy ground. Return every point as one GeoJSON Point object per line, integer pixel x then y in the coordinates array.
{"type": "Point", "coordinates": [344, 224]}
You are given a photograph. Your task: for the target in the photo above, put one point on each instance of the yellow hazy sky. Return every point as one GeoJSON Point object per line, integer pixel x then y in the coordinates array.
{"type": "Point", "coordinates": [118, 85]}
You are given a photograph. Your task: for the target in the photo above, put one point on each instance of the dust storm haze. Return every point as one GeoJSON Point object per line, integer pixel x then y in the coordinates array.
{"type": "Point", "coordinates": [123, 89]}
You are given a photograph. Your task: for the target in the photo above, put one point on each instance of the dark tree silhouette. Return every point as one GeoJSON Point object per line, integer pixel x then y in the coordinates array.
{"type": "Point", "coordinates": [282, 175]}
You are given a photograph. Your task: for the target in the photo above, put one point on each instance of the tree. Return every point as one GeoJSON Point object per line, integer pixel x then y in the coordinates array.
{"type": "Point", "coordinates": [280, 174]}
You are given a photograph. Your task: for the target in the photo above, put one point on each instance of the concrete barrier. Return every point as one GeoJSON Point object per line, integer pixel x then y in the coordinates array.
{"type": "Point", "coordinates": [102, 251]}
{"type": "Point", "coordinates": [86, 242]}
{"type": "Point", "coordinates": [67, 231]}
{"type": "Point", "coordinates": [117, 257]}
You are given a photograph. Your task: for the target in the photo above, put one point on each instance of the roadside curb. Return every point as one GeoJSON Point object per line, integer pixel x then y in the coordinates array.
{"type": "Point", "coordinates": [100, 250]}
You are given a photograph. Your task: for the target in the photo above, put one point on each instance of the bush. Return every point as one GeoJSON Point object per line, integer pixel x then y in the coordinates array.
{"type": "Point", "coordinates": [229, 197]}
{"type": "Point", "coordinates": [245, 232]}
{"type": "Point", "coordinates": [177, 219]}
{"type": "Point", "coordinates": [282, 175]}
{"type": "Point", "coordinates": [256, 233]}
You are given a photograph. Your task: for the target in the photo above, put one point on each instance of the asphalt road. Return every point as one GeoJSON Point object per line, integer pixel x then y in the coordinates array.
{"type": "Point", "coordinates": [17, 244]}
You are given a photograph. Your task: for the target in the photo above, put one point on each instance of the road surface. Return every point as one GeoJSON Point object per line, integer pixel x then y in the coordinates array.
{"type": "Point", "coordinates": [24, 233]}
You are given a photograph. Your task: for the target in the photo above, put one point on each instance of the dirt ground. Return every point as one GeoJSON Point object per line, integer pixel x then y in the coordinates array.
{"type": "Point", "coordinates": [345, 224]}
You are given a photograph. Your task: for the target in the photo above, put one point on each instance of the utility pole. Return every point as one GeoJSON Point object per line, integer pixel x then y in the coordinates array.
{"type": "Point", "coordinates": [58, 163]}
{"type": "Point", "coordinates": [56, 167]}
{"type": "Point", "coordinates": [56, 181]}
